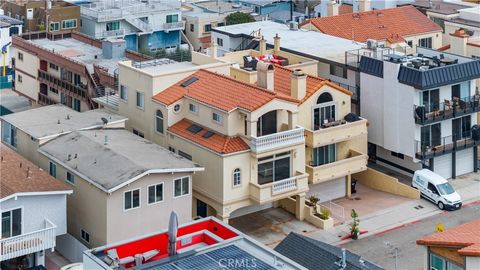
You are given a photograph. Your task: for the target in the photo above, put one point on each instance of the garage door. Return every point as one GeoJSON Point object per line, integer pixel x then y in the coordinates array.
{"type": "Point", "coordinates": [443, 165]}
{"type": "Point", "coordinates": [330, 190]}
{"type": "Point", "coordinates": [464, 161]}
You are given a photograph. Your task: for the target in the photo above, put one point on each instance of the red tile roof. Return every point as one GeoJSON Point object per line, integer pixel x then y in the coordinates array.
{"type": "Point", "coordinates": [218, 143]}
{"type": "Point", "coordinates": [465, 236]}
{"type": "Point", "coordinates": [226, 93]}
{"type": "Point", "coordinates": [376, 24]}
{"type": "Point", "coordinates": [13, 171]}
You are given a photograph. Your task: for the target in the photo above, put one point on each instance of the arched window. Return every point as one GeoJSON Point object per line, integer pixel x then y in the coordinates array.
{"type": "Point", "coordinates": [324, 97]}
{"type": "Point", "coordinates": [159, 121]}
{"type": "Point", "coordinates": [236, 177]}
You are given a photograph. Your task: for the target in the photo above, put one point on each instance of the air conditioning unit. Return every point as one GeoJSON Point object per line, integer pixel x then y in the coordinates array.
{"type": "Point", "coordinates": [294, 26]}
{"type": "Point", "coordinates": [372, 44]}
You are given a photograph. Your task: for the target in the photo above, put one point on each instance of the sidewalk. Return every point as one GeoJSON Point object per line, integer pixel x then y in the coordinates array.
{"type": "Point", "coordinates": [468, 186]}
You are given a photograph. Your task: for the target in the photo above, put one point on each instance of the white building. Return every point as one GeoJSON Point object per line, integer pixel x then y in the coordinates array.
{"type": "Point", "coordinates": [33, 206]}
{"type": "Point", "coordinates": [422, 111]}
{"type": "Point", "coordinates": [8, 27]}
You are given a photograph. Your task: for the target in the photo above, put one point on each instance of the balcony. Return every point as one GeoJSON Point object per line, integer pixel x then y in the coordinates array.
{"type": "Point", "coordinates": [279, 189]}
{"type": "Point", "coordinates": [28, 243]}
{"type": "Point", "coordinates": [448, 109]}
{"type": "Point", "coordinates": [277, 140]}
{"type": "Point", "coordinates": [445, 145]}
{"type": "Point", "coordinates": [45, 100]}
{"type": "Point", "coordinates": [173, 26]}
{"type": "Point", "coordinates": [46, 78]}
{"type": "Point", "coordinates": [338, 131]}
{"type": "Point", "coordinates": [353, 163]}
{"type": "Point", "coordinates": [112, 33]}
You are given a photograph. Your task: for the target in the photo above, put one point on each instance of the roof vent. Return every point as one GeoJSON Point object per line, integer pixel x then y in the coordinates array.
{"type": "Point", "coordinates": [189, 81]}
{"type": "Point", "coordinates": [194, 128]}
{"type": "Point", "coordinates": [208, 134]}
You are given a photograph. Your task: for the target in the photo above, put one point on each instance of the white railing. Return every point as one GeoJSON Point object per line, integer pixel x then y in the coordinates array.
{"type": "Point", "coordinates": [278, 140]}
{"type": "Point", "coordinates": [336, 211]}
{"type": "Point", "coordinates": [284, 185]}
{"type": "Point", "coordinates": [28, 243]}
{"type": "Point", "coordinates": [113, 33]}
{"type": "Point", "coordinates": [173, 25]}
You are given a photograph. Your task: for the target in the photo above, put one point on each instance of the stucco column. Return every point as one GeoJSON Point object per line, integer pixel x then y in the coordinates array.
{"type": "Point", "coordinates": [349, 185]}
{"type": "Point", "coordinates": [252, 128]}
{"type": "Point", "coordinates": [223, 218]}
{"type": "Point", "coordinates": [292, 120]}
{"type": "Point", "coordinates": [300, 206]}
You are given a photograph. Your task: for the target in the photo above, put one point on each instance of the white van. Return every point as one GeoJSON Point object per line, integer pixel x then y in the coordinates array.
{"type": "Point", "coordinates": [436, 189]}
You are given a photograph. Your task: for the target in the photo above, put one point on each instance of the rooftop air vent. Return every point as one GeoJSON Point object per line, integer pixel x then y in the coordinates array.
{"type": "Point", "coordinates": [189, 81]}
{"type": "Point", "coordinates": [194, 128]}
{"type": "Point", "coordinates": [208, 134]}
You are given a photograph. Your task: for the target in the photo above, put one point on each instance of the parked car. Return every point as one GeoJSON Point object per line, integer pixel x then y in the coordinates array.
{"type": "Point", "coordinates": [436, 189]}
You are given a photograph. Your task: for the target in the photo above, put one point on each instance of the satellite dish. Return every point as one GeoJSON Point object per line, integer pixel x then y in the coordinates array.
{"type": "Point", "coordinates": [104, 120]}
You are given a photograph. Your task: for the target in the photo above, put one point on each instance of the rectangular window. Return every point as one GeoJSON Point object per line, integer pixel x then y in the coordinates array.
{"type": "Point", "coordinates": [220, 24]}
{"type": "Point", "coordinates": [155, 193]}
{"type": "Point", "coordinates": [207, 28]}
{"type": "Point", "coordinates": [131, 199]}
{"type": "Point", "coordinates": [54, 26]}
{"type": "Point", "coordinates": [437, 262]}
{"type": "Point", "coordinates": [20, 56]}
{"type": "Point", "coordinates": [70, 178]}
{"type": "Point", "coordinates": [338, 71]}
{"type": "Point", "coordinates": [192, 27]}
{"type": "Point", "coordinates": [324, 155]}
{"type": "Point", "coordinates": [273, 168]}
{"type": "Point", "coordinates": [220, 42]}
{"type": "Point", "coordinates": [52, 169]}
{"type": "Point", "coordinates": [171, 149]}
{"type": "Point", "coordinates": [11, 223]}
{"type": "Point", "coordinates": [193, 108]}
{"type": "Point", "coordinates": [85, 235]}
{"type": "Point", "coordinates": [9, 134]}
{"type": "Point", "coordinates": [20, 78]}
{"type": "Point", "coordinates": [217, 118]}
{"type": "Point", "coordinates": [53, 66]}
{"type": "Point", "coordinates": [138, 133]}
{"type": "Point", "coordinates": [425, 42]}
{"type": "Point", "coordinates": [181, 186]}
{"type": "Point", "coordinates": [76, 104]}
{"type": "Point", "coordinates": [461, 128]}
{"type": "Point", "coordinates": [123, 92]}
{"type": "Point", "coordinates": [323, 114]}
{"type": "Point", "coordinates": [431, 136]}
{"type": "Point", "coordinates": [431, 100]}
{"type": "Point", "coordinates": [172, 18]}
{"type": "Point", "coordinates": [185, 155]}
{"type": "Point", "coordinates": [53, 90]}
{"type": "Point", "coordinates": [69, 24]}
{"type": "Point", "coordinates": [112, 26]}
{"type": "Point", "coordinates": [140, 100]}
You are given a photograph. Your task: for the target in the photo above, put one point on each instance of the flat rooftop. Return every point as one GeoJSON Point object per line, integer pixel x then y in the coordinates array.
{"type": "Point", "coordinates": [121, 8]}
{"type": "Point", "coordinates": [204, 244]}
{"type": "Point", "coordinates": [160, 66]}
{"type": "Point", "coordinates": [111, 158]}
{"type": "Point", "coordinates": [58, 119]}
{"type": "Point", "coordinates": [79, 51]}
{"type": "Point", "coordinates": [440, 7]}
{"type": "Point", "coordinates": [212, 8]}
{"type": "Point", "coordinates": [311, 43]}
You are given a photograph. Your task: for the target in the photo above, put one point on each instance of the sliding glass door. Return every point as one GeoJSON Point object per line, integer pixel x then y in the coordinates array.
{"type": "Point", "coordinates": [274, 168]}
{"type": "Point", "coordinates": [11, 223]}
{"type": "Point", "coordinates": [431, 135]}
{"type": "Point", "coordinates": [324, 155]}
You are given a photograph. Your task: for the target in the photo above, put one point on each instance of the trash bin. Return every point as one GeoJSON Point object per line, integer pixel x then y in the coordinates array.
{"type": "Point", "coordinates": [353, 186]}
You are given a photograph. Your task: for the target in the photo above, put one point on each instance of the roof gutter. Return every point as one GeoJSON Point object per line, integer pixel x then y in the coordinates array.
{"type": "Point", "coordinates": [36, 193]}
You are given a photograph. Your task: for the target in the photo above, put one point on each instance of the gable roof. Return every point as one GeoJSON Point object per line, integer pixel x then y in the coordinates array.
{"type": "Point", "coordinates": [382, 24]}
{"type": "Point", "coordinates": [465, 236]}
{"type": "Point", "coordinates": [314, 254]}
{"type": "Point", "coordinates": [226, 93]}
{"type": "Point", "coordinates": [113, 158]}
{"type": "Point", "coordinates": [14, 170]}
{"type": "Point", "coordinates": [218, 143]}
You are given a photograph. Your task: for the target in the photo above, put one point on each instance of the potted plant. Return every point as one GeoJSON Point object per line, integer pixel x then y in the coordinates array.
{"type": "Point", "coordinates": [324, 214]}
{"type": "Point", "coordinates": [313, 200]}
{"type": "Point", "coordinates": [354, 226]}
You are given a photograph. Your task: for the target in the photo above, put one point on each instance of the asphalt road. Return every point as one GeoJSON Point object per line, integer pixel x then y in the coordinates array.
{"type": "Point", "coordinates": [380, 248]}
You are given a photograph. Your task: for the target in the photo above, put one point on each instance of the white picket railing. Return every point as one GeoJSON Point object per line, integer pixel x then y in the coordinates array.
{"type": "Point", "coordinates": [278, 140]}
{"type": "Point", "coordinates": [28, 243]}
{"type": "Point", "coordinates": [284, 185]}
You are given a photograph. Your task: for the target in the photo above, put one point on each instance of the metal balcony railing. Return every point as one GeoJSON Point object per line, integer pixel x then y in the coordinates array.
{"type": "Point", "coordinates": [43, 76]}
{"type": "Point", "coordinates": [28, 243]}
{"type": "Point", "coordinates": [434, 112]}
{"type": "Point", "coordinates": [436, 147]}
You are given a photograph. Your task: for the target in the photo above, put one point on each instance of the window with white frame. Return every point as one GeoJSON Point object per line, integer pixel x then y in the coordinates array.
{"type": "Point", "coordinates": [193, 108]}
{"type": "Point", "coordinates": [159, 121]}
{"type": "Point", "coordinates": [12, 223]}
{"type": "Point", "coordinates": [155, 193]}
{"type": "Point", "coordinates": [140, 100]}
{"type": "Point", "coordinates": [131, 199]}
{"type": "Point", "coordinates": [54, 26]}
{"type": "Point", "coordinates": [181, 186]}
{"type": "Point", "coordinates": [217, 118]}
{"type": "Point", "coordinates": [237, 177]}
{"type": "Point", "coordinates": [220, 42]}
{"type": "Point", "coordinates": [123, 92]}
{"type": "Point", "coordinates": [69, 24]}
{"type": "Point", "coordinates": [85, 235]}
{"type": "Point", "coordinates": [425, 42]}
{"type": "Point", "coordinates": [438, 262]}
{"type": "Point", "coordinates": [273, 168]}
{"type": "Point", "coordinates": [20, 56]}
{"type": "Point", "coordinates": [70, 177]}
{"type": "Point", "coordinates": [53, 66]}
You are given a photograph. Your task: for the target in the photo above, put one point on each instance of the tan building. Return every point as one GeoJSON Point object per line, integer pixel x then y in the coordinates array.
{"type": "Point", "coordinates": [276, 134]}
{"type": "Point", "coordinates": [58, 15]}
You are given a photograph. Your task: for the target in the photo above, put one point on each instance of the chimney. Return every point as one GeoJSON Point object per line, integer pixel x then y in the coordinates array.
{"type": "Point", "coordinates": [298, 84]}
{"type": "Point", "coordinates": [265, 75]}
{"type": "Point", "coordinates": [263, 46]}
{"type": "Point", "coordinates": [364, 5]}
{"type": "Point", "coordinates": [332, 8]}
{"type": "Point", "coordinates": [458, 42]}
{"type": "Point", "coordinates": [276, 44]}
{"type": "Point", "coordinates": [214, 50]}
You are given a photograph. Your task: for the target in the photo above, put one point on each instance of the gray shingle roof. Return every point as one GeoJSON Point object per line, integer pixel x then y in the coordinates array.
{"type": "Point", "coordinates": [314, 254]}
